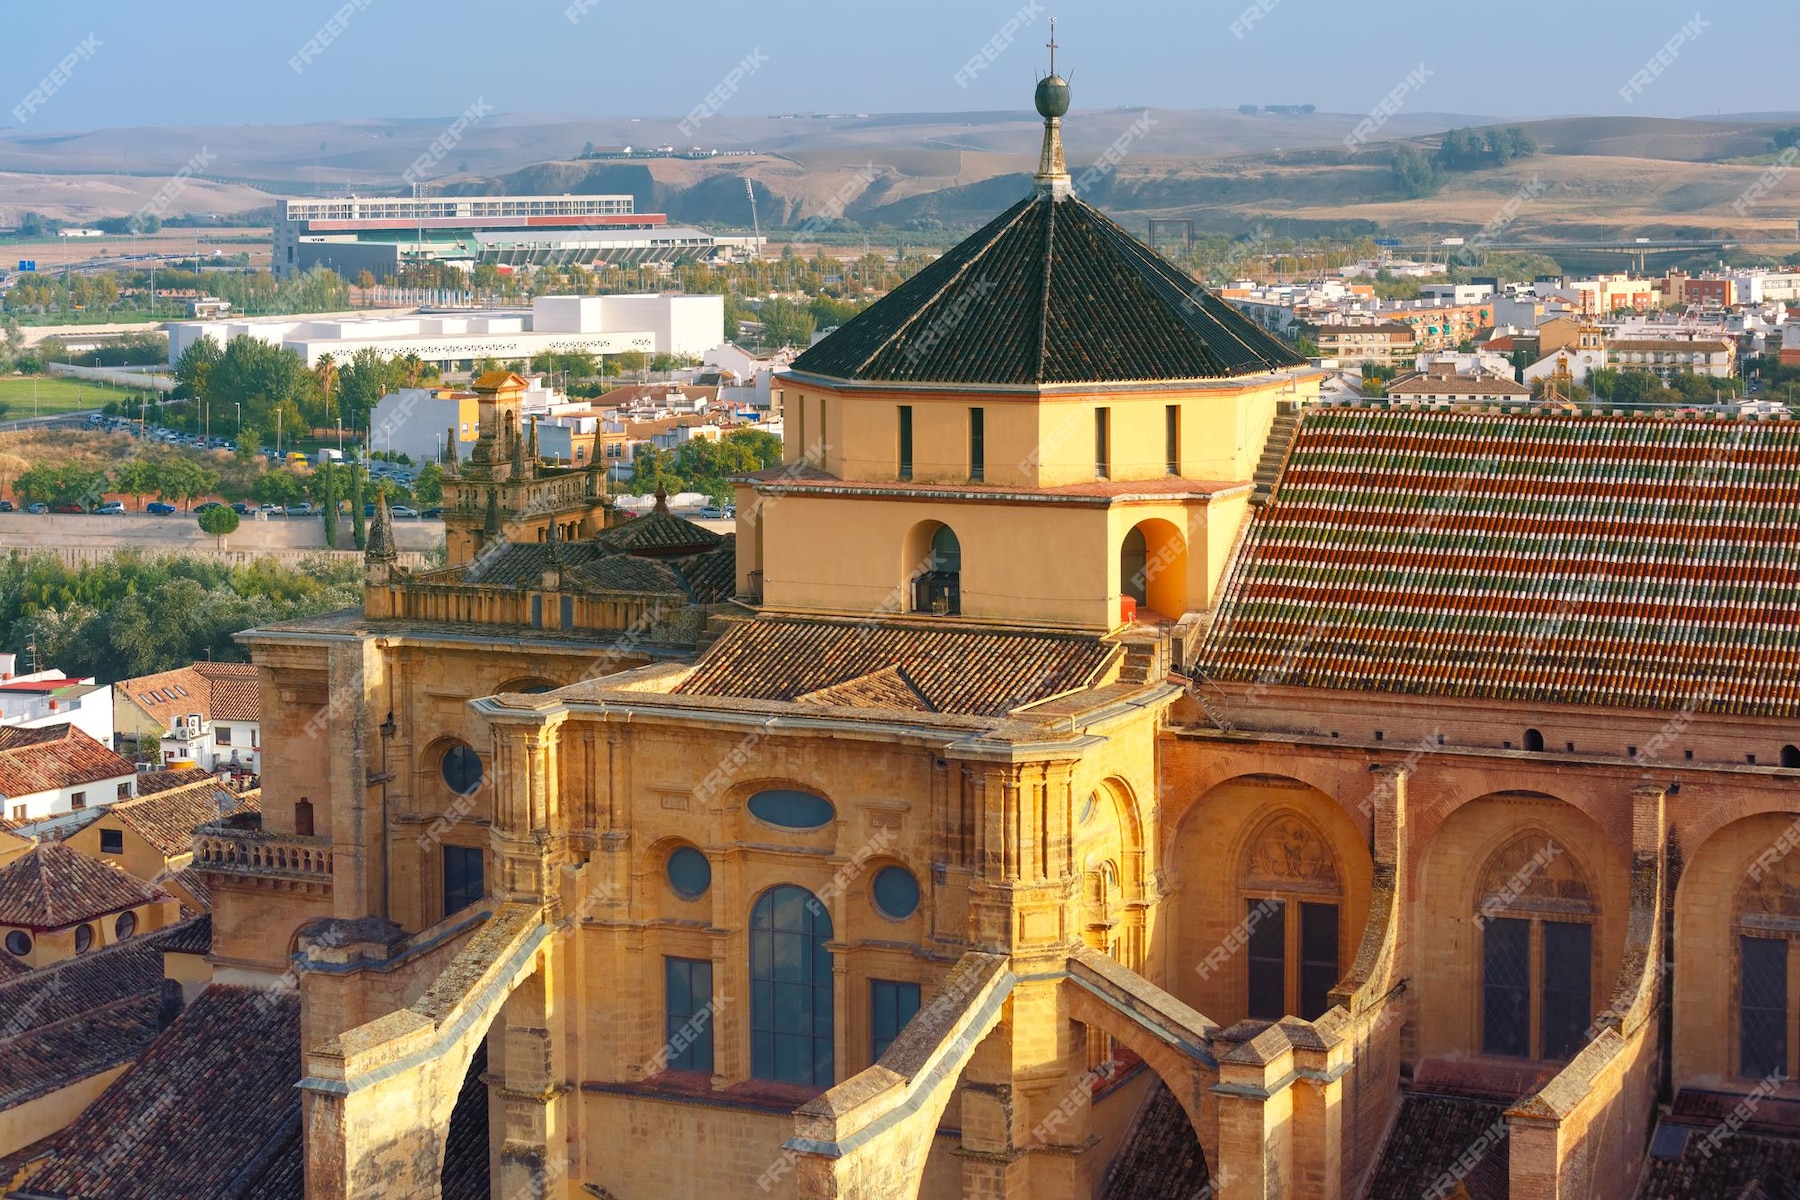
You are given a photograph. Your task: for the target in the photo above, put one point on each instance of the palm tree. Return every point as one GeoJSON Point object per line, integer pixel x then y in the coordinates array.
{"type": "Point", "coordinates": [413, 368]}
{"type": "Point", "coordinates": [326, 372]}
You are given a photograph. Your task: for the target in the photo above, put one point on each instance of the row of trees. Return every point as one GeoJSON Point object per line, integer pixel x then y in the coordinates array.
{"type": "Point", "coordinates": [1419, 174]}
{"type": "Point", "coordinates": [250, 292]}
{"type": "Point", "coordinates": [132, 614]}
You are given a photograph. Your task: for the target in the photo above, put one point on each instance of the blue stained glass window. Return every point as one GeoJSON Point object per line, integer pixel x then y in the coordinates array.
{"type": "Point", "coordinates": [791, 809]}
{"type": "Point", "coordinates": [689, 873]}
{"type": "Point", "coordinates": [896, 892]}
{"type": "Point", "coordinates": [791, 1006]}
{"type": "Point", "coordinates": [891, 1006]}
{"type": "Point", "coordinates": [687, 1017]}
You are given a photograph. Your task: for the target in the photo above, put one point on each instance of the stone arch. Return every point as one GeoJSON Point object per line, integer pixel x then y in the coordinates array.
{"type": "Point", "coordinates": [529, 685]}
{"type": "Point", "coordinates": [1504, 855]}
{"type": "Point", "coordinates": [1278, 847]}
{"type": "Point", "coordinates": [1739, 890]}
{"type": "Point", "coordinates": [931, 569]}
{"type": "Point", "coordinates": [1153, 567]}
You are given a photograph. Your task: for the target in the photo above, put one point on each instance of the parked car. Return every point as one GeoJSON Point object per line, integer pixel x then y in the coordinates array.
{"type": "Point", "coordinates": [268, 508]}
{"type": "Point", "coordinates": [401, 510]}
{"type": "Point", "coordinates": [210, 504]}
{"type": "Point", "coordinates": [6, 506]}
{"type": "Point", "coordinates": [39, 507]}
{"type": "Point", "coordinates": [69, 508]}
{"type": "Point", "coordinates": [434, 513]}
{"type": "Point", "coordinates": [303, 509]}
{"type": "Point", "coordinates": [112, 508]}
{"type": "Point", "coordinates": [242, 509]}
{"type": "Point", "coordinates": [159, 507]}
{"type": "Point", "coordinates": [712, 513]}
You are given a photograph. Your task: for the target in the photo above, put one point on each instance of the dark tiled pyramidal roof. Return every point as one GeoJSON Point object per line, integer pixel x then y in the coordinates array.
{"type": "Point", "coordinates": [52, 886]}
{"type": "Point", "coordinates": [1050, 291]}
{"type": "Point", "coordinates": [1616, 561]}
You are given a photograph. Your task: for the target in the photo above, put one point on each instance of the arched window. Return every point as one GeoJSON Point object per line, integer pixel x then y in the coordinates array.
{"type": "Point", "coordinates": [303, 818]}
{"type": "Point", "coordinates": [1790, 756]}
{"type": "Point", "coordinates": [934, 562]}
{"type": "Point", "coordinates": [1534, 741]}
{"type": "Point", "coordinates": [1535, 911]}
{"type": "Point", "coordinates": [1766, 925]}
{"type": "Point", "coordinates": [790, 988]}
{"type": "Point", "coordinates": [1291, 893]}
{"type": "Point", "coordinates": [1134, 567]}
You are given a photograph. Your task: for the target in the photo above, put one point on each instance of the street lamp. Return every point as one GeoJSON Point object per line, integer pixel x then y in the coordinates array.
{"type": "Point", "coordinates": [240, 419]}
{"type": "Point", "coordinates": [340, 424]}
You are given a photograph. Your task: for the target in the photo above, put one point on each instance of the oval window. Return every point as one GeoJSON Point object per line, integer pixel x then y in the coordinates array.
{"type": "Point", "coordinates": [896, 892]}
{"type": "Point", "coordinates": [84, 938]}
{"type": "Point", "coordinates": [18, 943]}
{"type": "Point", "coordinates": [792, 810]}
{"type": "Point", "coordinates": [125, 926]}
{"type": "Point", "coordinates": [462, 769]}
{"type": "Point", "coordinates": [689, 873]}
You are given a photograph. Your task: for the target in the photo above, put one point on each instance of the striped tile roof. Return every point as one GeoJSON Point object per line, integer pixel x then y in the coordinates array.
{"type": "Point", "coordinates": [1636, 562]}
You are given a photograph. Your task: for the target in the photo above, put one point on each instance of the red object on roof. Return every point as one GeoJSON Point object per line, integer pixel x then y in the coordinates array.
{"type": "Point", "coordinates": [39, 686]}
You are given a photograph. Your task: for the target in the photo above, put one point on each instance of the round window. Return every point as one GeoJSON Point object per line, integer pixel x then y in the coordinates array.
{"type": "Point", "coordinates": [689, 873]}
{"type": "Point", "coordinates": [18, 943]}
{"type": "Point", "coordinates": [125, 926]}
{"type": "Point", "coordinates": [896, 893]}
{"type": "Point", "coordinates": [84, 938]}
{"type": "Point", "coordinates": [462, 769]}
{"type": "Point", "coordinates": [791, 809]}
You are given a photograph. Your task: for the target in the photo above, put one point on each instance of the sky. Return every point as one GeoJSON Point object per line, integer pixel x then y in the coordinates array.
{"type": "Point", "coordinates": [213, 62]}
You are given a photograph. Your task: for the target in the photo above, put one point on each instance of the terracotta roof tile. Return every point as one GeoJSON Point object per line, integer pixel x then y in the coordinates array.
{"type": "Point", "coordinates": [887, 688]}
{"type": "Point", "coordinates": [151, 782]}
{"type": "Point", "coordinates": [955, 669]}
{"type": "Point", "coordinates": [1429, 1137]}
{"type": "Point", "coordinates": [209, 1111]}
{"type": "Point", "coordinates": [1160, 1157]}
{"type": "Point", "coordinates": [167, 820]}
{"type": "Point", "coordinates": [1694, 1155]}
{"type": "Point", "coordinates": [51, 886]}
{"type": "Point", "coordinates": [1623, 561]}
{"type": "Point", "coordinates": [52, 757]}
{"type": "Point", "coordinates": [217, 691]}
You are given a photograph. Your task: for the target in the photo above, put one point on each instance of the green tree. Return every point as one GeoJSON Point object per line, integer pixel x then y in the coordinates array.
{"type": "Point", "coordinates": [220, 522]}
{"type": "Point", "coordinates": [1414, 174]}
{"type": "Point", "coordinates": [135, 477]}
{"type": "Point", "coordinates": [60, 483]}
{"type": "Point", "coordinates": [786, 323]}
{"type": "Point", "coordinates": [359, 533]}
{"type": "Point", "coordinates": [282, 486]}
{"type": "Point", "coordinates": [194, 369]}
{"type": "Point", "coordinates": [428, 484]}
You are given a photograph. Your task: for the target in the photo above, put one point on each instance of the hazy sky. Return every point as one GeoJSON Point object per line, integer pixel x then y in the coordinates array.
{"type": "Point", "coordinates": [230, 61]}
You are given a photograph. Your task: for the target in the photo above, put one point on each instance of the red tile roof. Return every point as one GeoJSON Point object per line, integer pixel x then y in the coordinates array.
{"type": "Point", "coordinates": [54, 756]}
{"type": "Point", "coordinates": [1622, 561]}
{"type": "Point", "coordinates": [217, 691]}
{"type": "Point", "coordinates": [151, 782]}
{"type": "Point", "coordinates": [209, 1111]}
{"type": "Point", "coordinates": [167, 820]}
{"type": "Point", "coordinates": [951, 668]}
{"type": "Point", "coordinates": [51, 886]}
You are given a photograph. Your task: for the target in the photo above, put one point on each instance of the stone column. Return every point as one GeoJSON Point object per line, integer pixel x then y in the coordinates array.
{"type": "Point", "coordinates": [1256, 1113]}
{"type": "Point", "coordinates": [534, 1087]}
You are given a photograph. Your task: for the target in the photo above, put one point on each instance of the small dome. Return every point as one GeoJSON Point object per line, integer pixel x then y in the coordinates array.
{"type": "Point", "coordinates": [1052, 96]}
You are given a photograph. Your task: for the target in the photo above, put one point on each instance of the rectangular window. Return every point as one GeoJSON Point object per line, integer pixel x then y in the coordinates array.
{"type": "Point", "coordinates": [1267, 923]}
{"type": "Point", "coordinates": [463, 884]}
{"type": "Point", "coordinates": [112, 841]}
{"type": "Point", "coordinates": [1506, 988]}
{"type": "Point", "coordinates": [1172, 438]}
{"type": "Point", "coordinates": [124, 791]}
{"type": "Point", "coordinates": [906, 446]}
{"type": "Point", "coordinates": [1102, 443]}
{"type": "Point", "coordinates": [1318, 958]}
{"type": "Point", "coordinates": [78, 800]}
{"type": "Point", "coordinates": [977, 444]}
{"type": "Point", "coordinates": [18, 812]}
{"type": "Point", "coordinates": [1762, 1006]}
{"type": "Point", "coordinates": [688, 1014]}
{"type": "Point", "coordinates": [891, 1006]}
{"type": "Point", "coordinates": [1568, 979]}
{"type": "Point", "coordinates": [221, 735]}
{"type": "Point", "coordinates": [537, 612]}
{"type": "Point", "coordinates": [568, 613]}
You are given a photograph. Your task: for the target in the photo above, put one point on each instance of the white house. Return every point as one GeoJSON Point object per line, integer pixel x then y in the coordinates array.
{"type": "Point", "coordinates": [43, 698]}
{"type": "Point", "coordinates": [209, 715]}
{"type": "Point", "coordinates": [57, 769]}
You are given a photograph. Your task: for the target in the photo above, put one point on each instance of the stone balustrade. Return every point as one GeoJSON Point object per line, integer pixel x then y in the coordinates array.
{"type": "Point", "coordinates": [243, 849]}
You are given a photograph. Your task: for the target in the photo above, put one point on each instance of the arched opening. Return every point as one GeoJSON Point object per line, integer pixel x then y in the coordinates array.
{"type": "Point", "coordinates": [1291, 896]}
{"type": "Point", "coordinates": [791, 1005]}
{"type": "Point", "coordinates": [1534, 910]}
{"type": "Point", "coordinates": [1534, 741]}
{"type": "Point", "coordinates": [933, 564]}
{"type": "Point", "coordinates": [1153, 568]}
{"type": "Point", "coordinates": [464, 1175]}
{"type": "Point", "coordinates": [1790, 756]}
{"type": "Point", "coordinates": [529, 686]}
{"type": "Point", "coordinates": [303, 818]}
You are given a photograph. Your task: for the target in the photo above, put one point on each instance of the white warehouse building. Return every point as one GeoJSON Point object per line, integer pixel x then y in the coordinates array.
{"type": "Point", "coordinates": [653, 324]}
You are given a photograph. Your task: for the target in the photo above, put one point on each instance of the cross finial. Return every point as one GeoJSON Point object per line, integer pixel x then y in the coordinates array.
{"type": "Point", "coordinates": [1052, 44]}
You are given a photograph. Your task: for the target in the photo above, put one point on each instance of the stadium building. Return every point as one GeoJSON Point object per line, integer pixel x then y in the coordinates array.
{"type": "Point", "coordinates": [351, 234]}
